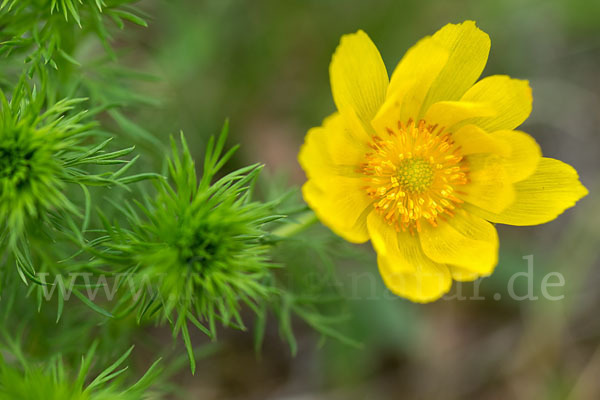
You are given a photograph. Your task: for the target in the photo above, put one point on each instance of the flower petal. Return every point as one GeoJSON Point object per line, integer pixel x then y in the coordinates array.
{"type": "Point", "coordinates": [489, 186]}
{"type": "Point", "coordinates": [342, 205]}
{"type": "Point", "coordinates": [464, 240]}
{"type": "Point", "coordinates": [524, 154]}
{"type": "Point", "coordinates": [393, 110]}
{"type": "Point", "coordinates": [428, 283]}
{"type": "Point", "coordinates": [543, 196]}
{"type": "Point", "coordinates": [519, 151]}
{"type": "Point", "coordinates": [414, 76]}
{"type": "Point", "coordinates": [474, 140]}
{"type": "Point", "coordinates": [510, 98]}
{"type": "Point", "coordinates": [358, 76]}
{"type": "Point", "coordinates": [449, 113]}
{"type": "Point", "coordinates": [404, 267]}
{"type": "Point", "coordinates": [462, 274]}
{"type": "Point", "coordinates": [383, 236]}
{"type": "Point", "coordinates": [468, 48]}
{"type": "Point", "coordinates": [331, 150]}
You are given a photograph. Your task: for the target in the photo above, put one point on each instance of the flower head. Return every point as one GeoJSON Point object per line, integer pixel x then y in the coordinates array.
{"type": "Point", "coordinates": [424, 163]}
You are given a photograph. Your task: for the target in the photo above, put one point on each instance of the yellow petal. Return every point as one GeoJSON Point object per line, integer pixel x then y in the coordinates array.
{"type": "Point", "coordinates": [464, 240]}
{"type": "Point", "coordinates": [463, 274]}
{"type": "Point", "coordinates": [330, 156]}
{"type": "Point", "coordinates": [489, 186]}
{"type": "Point", "coordinates": [358, 76]}
{"type": "Point", "coordinates": [510, 98]}
{"type": "Point", "coordinates": [414, 76]}
{"type": "Point", "coordinates": [428, 283]}
{"type": "Point", "coordinates": [448, 113]}
{"type": "Point", "coordinates": [383, 236]}
{"type": "Point", "coordinates": [331, 150]}
{"type": "Point", "coordinates": [342, 205]}
{"type": "Point", "coordinates": [391, 111]}
{"type": "Point", "coordinates": [543, 196]}
{"type": "Point", "coordinates": [468, 49]}
{"type": "Point", "coordinates": [474, 140]}
{"type": "Point", "coordinates": [519, 151]}
{"type": "Point", "coordinates": [404, 268]}
{"type": "Point", "coordinates": [524, 154]}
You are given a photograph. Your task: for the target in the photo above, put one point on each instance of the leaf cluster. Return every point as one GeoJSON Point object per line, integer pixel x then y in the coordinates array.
{"type": "Point", "coordinates": [47, 31]}
{"type": "Point", "coordinates": [28, 381]}
{"type": "Point", "coordinates": [47, 148]}
{"type": "Point", "coordinates": [198, 245]}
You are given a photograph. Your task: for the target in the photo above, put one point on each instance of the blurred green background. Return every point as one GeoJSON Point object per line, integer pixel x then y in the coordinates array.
{"type": "Point", "coordinates": [264, 65]}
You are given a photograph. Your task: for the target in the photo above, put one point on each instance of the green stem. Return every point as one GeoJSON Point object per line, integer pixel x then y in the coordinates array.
{"type": "Point", "coordinates": [301, 223]}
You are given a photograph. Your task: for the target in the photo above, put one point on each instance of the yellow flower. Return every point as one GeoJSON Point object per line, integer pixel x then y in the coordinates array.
{"type": "Point", "coordinates": [424, 163]}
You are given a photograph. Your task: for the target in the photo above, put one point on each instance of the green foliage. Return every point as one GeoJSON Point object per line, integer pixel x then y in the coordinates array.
{"type": "Point", "coordinates": [46, 31]}
{"type": "Point", "coordinates": [199, 243]}
{"type": "Point", "coordinates": [45, 148]}
{"type": "Point", "coordinates": [308, 289]}
{"type": "Point", "coordinates": [53, 382]}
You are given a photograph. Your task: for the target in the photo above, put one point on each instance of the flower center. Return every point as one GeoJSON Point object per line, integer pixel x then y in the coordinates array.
{"type": "Point", "coordinates": [413, 175]}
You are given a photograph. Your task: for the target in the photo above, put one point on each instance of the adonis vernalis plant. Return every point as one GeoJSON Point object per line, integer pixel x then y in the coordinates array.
{"type": "Point", "coordinates": [46, 148]}
{"type": "Point", "coordinates": [423, 164]}
{"type": "Point", "coordinates": [200, 244]}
